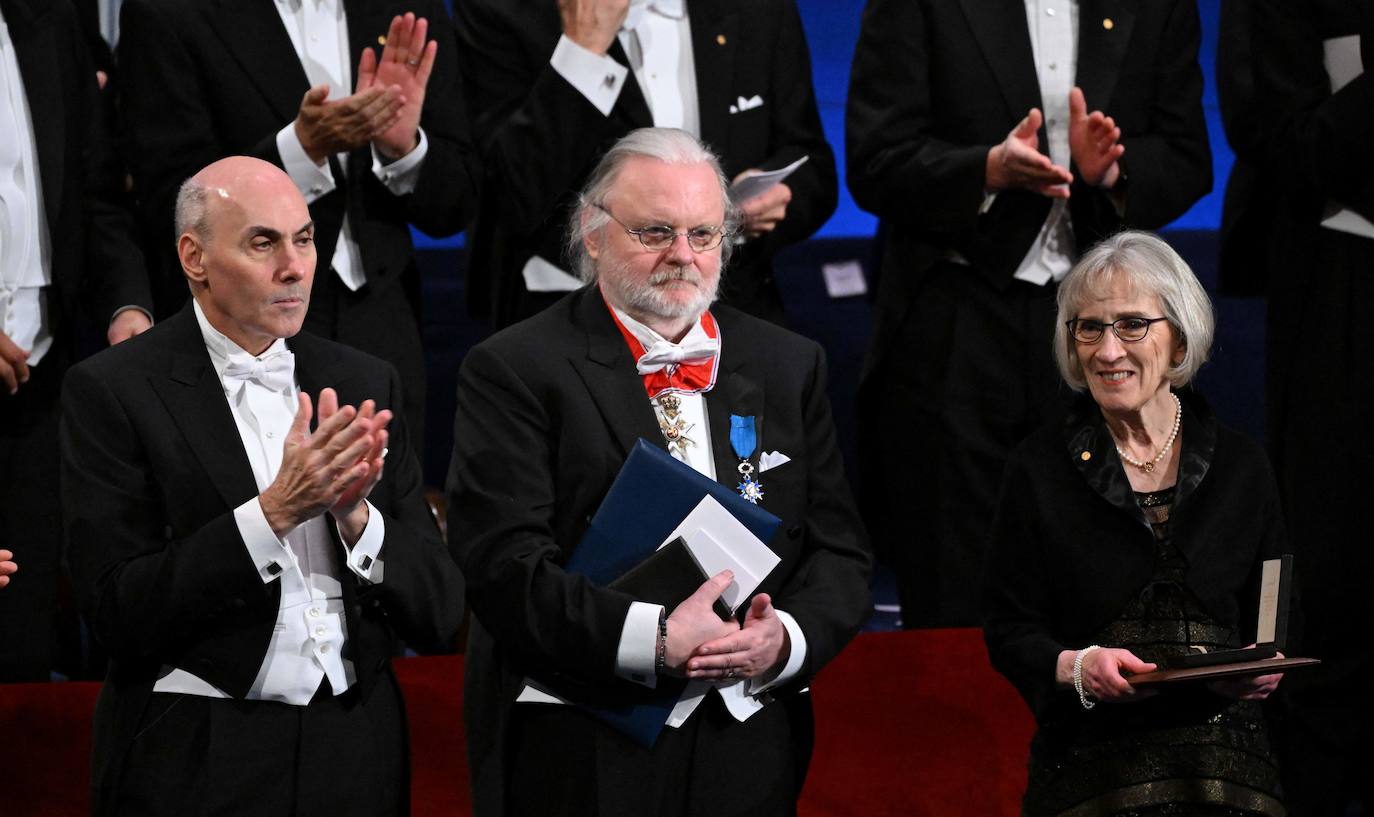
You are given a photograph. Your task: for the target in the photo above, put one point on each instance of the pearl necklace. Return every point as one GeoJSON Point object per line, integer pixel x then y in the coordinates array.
{"type": "Point", "coordinates": [1149, 467]}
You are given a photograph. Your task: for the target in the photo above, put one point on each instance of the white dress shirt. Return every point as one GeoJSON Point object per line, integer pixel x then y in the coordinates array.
{"type": "Point", "coordinates": [638, 648]}
{"type": "Point", "coordinates": [25, 252]}
{"type": "Point", "coordinates": [308, 638]}
{"type": "Point", "coordinates": [319, 34]}
{"type": "Point", "coordinates": [657, 38]}
{"type": "Point", "coordinates": [1053, 26]}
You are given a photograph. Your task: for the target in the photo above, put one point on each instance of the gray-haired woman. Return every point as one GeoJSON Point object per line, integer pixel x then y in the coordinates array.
{"type": "Point", "coordinates": [1132, 532]}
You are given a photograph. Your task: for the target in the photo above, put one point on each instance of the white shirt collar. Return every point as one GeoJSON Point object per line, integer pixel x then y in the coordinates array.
{"type": "Point", "coordinates": [673, 9]}
{"type": "Point", "coordinates": [648, 337]}
{"type": "Point", "coordinates": [221, 348]}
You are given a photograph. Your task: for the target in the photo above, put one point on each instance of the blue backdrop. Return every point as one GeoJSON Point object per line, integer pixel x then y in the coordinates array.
{"type": "Point", "coordinates": [832, 28]}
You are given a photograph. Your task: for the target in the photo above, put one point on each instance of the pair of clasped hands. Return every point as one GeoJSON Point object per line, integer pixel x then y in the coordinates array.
{"type": "Point", "coordinates": [594, 25]}
{"type": "Point", "coordinates": [1107, 672]}
{"type": "Point", "coordinates": [330, 470]}
{"type": "Point", "coordinates": [384, 108]}
{"type": "Point", "coordinates": [702, 647]}
{"type": "Point", "coordinates": [1094, 147]}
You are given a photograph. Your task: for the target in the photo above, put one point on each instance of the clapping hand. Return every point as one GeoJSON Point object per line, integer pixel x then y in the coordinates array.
{"type": "Point", "coordinates": [321, 469]}
{"type": "Point", "coordinates": [1017, 163]}
{"type": "Point", "coordinates": [14, 365]}
{"type": "Point", "coordinates": [1094, 143]}
{"type": "Point", "coordinates": [593, 24]}
{"type": "Point", "coordinates": [405, 64]}
{"type": "Point", "coordinates": [328, 126]}
{"type": "Point", "coordinates": [350, 511]}
{"type": "Point", "coordinates": [7, 566]}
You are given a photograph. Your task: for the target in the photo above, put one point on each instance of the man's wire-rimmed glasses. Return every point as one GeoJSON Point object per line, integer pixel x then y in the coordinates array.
{"type": "Point", "coordinates": [659, 237]}
{"type": "Point", "coordinates": [1128, 330]}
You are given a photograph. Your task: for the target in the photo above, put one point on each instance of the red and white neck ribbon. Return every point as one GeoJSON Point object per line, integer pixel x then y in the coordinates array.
{"type": "Point", "coordinates": [686, 367]}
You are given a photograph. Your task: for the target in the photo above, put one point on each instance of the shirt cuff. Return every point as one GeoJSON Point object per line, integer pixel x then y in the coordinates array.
{"type": "Point", "coordinates": [364, 558]}
{"type": "Point", "coordinates": [270, 555]}
{"type": "Point", "coordinates": [636, 658]}
{"type": "Point", "coordinates": [311, 179]}
{"type": "Point", "coordinates": [596, 76]}
{"type": "Point", "coordinates": [795, 658]}
{"type": "Point", "coordinates": [401, 175]}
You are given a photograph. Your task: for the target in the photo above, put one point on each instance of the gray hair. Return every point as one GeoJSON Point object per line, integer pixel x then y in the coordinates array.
{"type": "Point", "coordinates": [192, 210]}
{"type": "Point", "coordinates": [1151, 267]}
{"type": "Point", "coordinates": [668, 145]}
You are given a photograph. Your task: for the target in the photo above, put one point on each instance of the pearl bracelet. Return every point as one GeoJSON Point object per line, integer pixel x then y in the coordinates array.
{"type": "Point", "coordinates": [1088, 703]}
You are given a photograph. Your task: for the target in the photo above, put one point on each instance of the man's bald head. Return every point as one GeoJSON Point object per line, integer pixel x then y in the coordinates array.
{"type": "Point", "coordinates": [217, 181]}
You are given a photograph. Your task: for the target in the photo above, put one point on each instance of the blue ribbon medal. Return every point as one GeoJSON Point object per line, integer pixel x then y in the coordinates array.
{"type": "Point", "coordinates": [744, 440]}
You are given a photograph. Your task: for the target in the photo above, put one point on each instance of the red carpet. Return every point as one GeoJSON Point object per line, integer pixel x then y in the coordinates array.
{"type": "Point", "coordinates": [914, 724]}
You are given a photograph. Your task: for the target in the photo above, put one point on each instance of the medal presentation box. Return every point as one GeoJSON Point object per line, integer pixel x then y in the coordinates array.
{"type": "Point", "coordinates": [1271, 633]}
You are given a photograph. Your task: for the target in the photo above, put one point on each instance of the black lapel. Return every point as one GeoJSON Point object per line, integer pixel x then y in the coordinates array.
{"type": "Point", "coordinates": [38, 51]}
{"type": "Point", "coordinates": [194, 398]}
{"type": "Point", "coordinates": [739, 392]}
{"type": "Point", "coordinates": [1104, 30]}
{"type": "Point", "coordinates": [610, 376]}
{"type": "Point", "coordinates": [999, 26]}
{"type": "Point", "coordinates": [316, 368]}
{"type": "Point", "coordinates": [713, 52]}
{"type": "Point", "coordinates": [631, 103]}
{"type": "Point", "coordinates": [1093, 453]}
{"type": "Point", "coordinates": [253, 32]}
{"type": "Point", "coordinates": [368, 25]}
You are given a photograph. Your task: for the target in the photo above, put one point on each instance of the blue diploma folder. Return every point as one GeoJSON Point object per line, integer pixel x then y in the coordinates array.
{"type": "Point", "coordinates": [650, 497]}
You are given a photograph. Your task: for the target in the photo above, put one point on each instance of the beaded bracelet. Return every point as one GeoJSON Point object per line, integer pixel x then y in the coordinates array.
{"type": "Point", "coordinates": [1088, 703]}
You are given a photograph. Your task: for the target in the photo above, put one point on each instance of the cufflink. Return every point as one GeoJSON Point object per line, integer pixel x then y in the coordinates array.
{"type": "Point", "coordinates": [365, 563]}
{"type": "Point", "coordinates": [609, 81]}
{"type": "Point", "coordinates": [273, 569]}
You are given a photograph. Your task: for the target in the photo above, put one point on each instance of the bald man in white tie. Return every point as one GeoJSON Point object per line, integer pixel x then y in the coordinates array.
{"type": "Point", "coordinates": [248, 534]}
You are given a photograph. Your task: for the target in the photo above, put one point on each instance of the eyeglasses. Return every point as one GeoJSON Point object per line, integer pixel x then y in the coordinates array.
{"type": "Point", "coordinates": [659, 237]}
{"type": "Point", "coordinates": [1128, 330]}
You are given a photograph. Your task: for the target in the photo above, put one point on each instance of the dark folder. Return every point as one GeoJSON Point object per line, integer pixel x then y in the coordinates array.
{"type": "Point", "coordinates": [667, 577]}
{"type": "Point", "coordinates": [650, 496]}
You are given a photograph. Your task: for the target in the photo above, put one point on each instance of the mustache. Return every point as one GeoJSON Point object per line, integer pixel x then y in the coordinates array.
{"type": "Point", "coordinates": [670, 274]}
{"type": "Point", "coordinates": [295, 291]}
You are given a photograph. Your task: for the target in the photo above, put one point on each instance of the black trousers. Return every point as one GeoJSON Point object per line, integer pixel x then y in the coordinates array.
{"type": "Point", "coordinates": [563, 762]}
{"type": "Point", "coordinates": [336, 757]}
{"type": "Point", "coordinates": [31, 527]}
{"type": "Point", "coordinates": [969, 375]}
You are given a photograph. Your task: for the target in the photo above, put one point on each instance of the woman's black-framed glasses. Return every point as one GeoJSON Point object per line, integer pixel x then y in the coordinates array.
{"type": "Point", "coordinates": [1128, 330]}
{"type": "Point", "coordinates": [659, 237]}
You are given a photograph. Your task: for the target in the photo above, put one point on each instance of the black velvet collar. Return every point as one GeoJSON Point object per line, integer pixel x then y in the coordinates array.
{"type": "Point", "coordinates": [1091, 449]}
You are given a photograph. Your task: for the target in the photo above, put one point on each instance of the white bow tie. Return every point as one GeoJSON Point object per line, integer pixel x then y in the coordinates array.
{"type": "Point", "coordinates": [276, 371]}
{"type": "Point", "coordinates": [664, 354]}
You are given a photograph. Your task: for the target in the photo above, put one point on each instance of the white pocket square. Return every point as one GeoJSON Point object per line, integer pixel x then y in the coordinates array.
{"type": "Point", "coordinates": [742, 104]}
{"type": "Point", "coordinates": [772, 459]}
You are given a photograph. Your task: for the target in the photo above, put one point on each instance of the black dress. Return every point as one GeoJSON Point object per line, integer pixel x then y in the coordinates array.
{"type": "Point", "coordinates": [1188, 752]}
{"type": "Point", "coordinates": [1078, 558]}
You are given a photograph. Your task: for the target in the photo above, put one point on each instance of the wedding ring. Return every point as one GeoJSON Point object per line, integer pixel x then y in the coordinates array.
{"type": "Point", "coordinates": [729, 672]}
{"type": "Point", "coordinates": [412, 62]}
